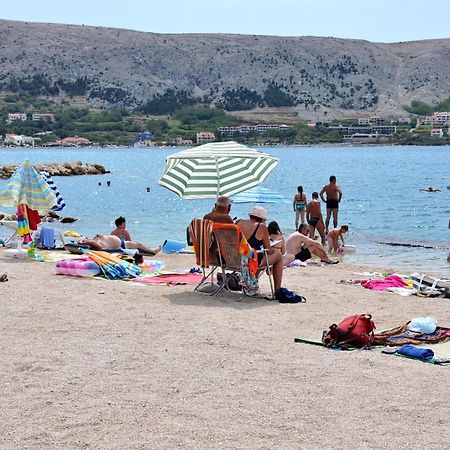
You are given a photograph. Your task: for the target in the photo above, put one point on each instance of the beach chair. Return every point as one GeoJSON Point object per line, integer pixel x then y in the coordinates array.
{"type": "Point", "coordinates": [231, 246]}
{"type": "Point", "coordinates": [200, 232]}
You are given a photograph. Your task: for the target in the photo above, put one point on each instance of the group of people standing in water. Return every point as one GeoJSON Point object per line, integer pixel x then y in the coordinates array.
{"type": "Point", "coordinates": [311, 213]}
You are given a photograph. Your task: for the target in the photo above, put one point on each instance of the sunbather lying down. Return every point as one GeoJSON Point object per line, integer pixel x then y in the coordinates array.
{"type": "Point", "coordinates": [111, 242]}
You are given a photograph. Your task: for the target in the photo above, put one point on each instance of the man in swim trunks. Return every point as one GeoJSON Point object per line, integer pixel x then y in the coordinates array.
{"type": "Point", "coordinates": [120, 230]}
{"type": "Point", "coordinates": [314, 217]}
{"type": "Point", "coordinates": [334, 196]}
{"type": "Point", "coordinates": [111, 242]}
{"type": "Point", "coordinates": [303, 247]}
{"type": "Point", "coordinates": [221, 211]}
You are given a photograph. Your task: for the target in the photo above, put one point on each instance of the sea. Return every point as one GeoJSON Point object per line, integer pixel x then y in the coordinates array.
{"type": "Point", "coordinates": [382, 202]}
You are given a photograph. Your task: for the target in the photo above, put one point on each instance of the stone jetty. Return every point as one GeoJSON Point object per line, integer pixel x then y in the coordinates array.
{"type": "Point", "coordinates": [59, 169]}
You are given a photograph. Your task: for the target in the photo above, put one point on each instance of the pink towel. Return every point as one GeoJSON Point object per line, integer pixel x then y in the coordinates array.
{"type": "Point", "coordinates": [171, 278]}
{"type": "Point", "coordinates": [385, 283]}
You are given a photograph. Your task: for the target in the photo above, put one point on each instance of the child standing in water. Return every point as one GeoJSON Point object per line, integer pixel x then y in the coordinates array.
{"type": "Point", "coordinates": [299, 205]}
{"type": "Point", "coordinates": [334, 236]}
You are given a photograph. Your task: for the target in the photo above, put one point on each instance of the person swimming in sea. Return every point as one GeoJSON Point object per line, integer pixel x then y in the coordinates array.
{"type": "Point", "coordinates": [299, 205]}
{"type": "Point", "coordinates": [430, 189]}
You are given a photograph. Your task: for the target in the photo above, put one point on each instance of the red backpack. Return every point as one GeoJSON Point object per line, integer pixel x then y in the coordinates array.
{"type": "Point", "coordinates": [353, 331]}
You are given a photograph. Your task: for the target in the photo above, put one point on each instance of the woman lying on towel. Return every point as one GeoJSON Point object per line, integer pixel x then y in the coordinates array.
{"type": "Point", "coordinates": [110, 242]}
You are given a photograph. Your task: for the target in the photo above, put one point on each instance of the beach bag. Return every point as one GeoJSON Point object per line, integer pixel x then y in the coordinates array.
{"type": "Point", "coordinates": [353, 331]}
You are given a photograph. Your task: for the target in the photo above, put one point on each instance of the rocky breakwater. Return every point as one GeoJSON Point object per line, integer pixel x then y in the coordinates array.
{"type": "Point", "coordinates": [59, 169]}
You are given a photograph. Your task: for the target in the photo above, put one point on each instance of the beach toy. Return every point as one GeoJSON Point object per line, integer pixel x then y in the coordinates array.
{"type": "Point", "coordinates": [173, 246]}
{"type": "Point", "coordinates": [77, 267]}
{"type": "Point", "coordinates": [152, 265]}
{"type": "Point", "coordinates": [425, 325]}
{"type": "Point", "coordinates": [31, 250]}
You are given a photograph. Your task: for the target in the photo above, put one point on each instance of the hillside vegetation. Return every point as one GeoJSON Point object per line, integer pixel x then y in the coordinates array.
{"type": "Point", "coordinates": [68, 65]}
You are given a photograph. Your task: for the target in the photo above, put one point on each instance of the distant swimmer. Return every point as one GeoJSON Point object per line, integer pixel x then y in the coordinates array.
{"type": "Point", "coordinates": [108, 183]}
{"type": "Point", "coordinates": [99, 183]}
{"type": "Point", "coordinates": [430, 189]}
{"type": "Point", "coordinates": [149, 189]}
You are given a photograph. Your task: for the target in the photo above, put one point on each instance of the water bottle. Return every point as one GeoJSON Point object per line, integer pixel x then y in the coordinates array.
{"type": "Point", "coordinates": [31, 250]}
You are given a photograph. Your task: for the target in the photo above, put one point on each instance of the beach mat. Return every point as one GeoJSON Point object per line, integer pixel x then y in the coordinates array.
{"type": "Point", "coordinates": [172, 279]}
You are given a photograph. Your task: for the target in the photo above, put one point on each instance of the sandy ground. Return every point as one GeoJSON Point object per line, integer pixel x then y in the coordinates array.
{"type": "Point", "coordinates": [96, 364]}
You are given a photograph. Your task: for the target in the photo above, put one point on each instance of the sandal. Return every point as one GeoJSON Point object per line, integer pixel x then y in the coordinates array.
{"type": "Point", "coordinates": [331, 261]}
{"type": "Point", "coordinates": [3, 278]}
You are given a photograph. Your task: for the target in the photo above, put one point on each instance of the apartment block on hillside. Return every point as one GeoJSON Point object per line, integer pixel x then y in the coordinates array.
{"type": "Point", "coordinates": [12, 117]}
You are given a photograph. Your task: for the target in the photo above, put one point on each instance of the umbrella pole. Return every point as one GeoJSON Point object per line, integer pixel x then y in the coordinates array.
{"type": "Point", "coordinates": [218, 178]}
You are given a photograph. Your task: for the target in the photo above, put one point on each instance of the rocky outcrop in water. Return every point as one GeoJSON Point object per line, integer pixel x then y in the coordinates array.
{"type": "Point", "coordinates": [59, 169]}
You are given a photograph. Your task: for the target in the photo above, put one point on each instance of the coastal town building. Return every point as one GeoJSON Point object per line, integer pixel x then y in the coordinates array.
{"type": "Point", "coordinates": [12, 117]}
{"type": "Point", "coordinates": [387, 130]}
{"type": "Point", "coordinates": [439, 118]}
{"type": "Point", "coordinates": [143, 139]}
{"type": "Point", "coordinates": [183, 141]}
{"type": "Point", "coordinates": [205, 136]}
{"type": "Point", "coordinates": [404, 120]}
{"type": "Point", "coordinates": [437, 132]}
{"type": "Point", "coordinates": [73, 141]}
{"type": "Point", "coordinates": [247, 129]}
{"type": "Point", "coordinates": [19, 140]}
{"type": "Point", "coordinates": [44, 117]}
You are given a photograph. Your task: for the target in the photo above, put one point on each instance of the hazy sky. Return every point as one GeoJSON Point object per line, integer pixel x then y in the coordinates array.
{"type": "Point", "coordinates": [379, 21]}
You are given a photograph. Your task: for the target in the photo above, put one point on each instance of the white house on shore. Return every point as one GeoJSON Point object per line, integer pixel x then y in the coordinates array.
{"type": "Point", "coordinates": [19, 140]}
{"type": "Point", "coordinates": [437, 132]}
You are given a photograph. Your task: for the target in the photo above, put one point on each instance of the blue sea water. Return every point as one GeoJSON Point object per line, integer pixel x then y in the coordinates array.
{"type": "Point", "coordinates": [381, 201]}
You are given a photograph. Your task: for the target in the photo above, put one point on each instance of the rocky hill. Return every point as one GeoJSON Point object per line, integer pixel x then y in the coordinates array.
{"type": "Point", "coordinates": [313, 76]}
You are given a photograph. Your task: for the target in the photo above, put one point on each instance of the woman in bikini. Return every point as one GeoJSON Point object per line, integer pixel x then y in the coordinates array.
{"type": "Point", "coordinates": [278, 242]}
{"type": "Point", "coordinates": [255, 231]}
{"type": "Point", "coordinates": [299, 205]}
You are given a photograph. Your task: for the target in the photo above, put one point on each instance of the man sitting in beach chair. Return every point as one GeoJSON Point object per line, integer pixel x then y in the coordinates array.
{"type": "Point", "coordinates": [113, 243]}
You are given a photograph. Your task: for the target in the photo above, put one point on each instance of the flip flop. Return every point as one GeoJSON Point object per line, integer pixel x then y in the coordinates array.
{"type": "Point", "coordinates": [3, 278]}
{"type": "Point", "coordinates": [331, 261]}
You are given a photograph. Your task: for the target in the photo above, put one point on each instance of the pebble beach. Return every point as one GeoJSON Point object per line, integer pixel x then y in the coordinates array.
{"type": "Point", "coordinates": [98, 364]}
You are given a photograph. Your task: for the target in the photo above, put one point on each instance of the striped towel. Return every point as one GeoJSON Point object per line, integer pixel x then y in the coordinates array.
{"type": "Point", "coordinates": [60, 202]}
{"type": "Point", "coordinates": [200, 231]}
{"type": "Point", "coordinates": [23, 226]}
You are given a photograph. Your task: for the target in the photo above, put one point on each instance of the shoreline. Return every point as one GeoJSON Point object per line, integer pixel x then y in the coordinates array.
{"type": "Point", "coordinates": [98, 363]}
{"type": "Point", "coordinates": [275, 145]}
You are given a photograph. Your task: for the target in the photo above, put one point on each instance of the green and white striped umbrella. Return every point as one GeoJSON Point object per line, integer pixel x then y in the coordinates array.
{"type": "Point", "coordinates": [212, 170]}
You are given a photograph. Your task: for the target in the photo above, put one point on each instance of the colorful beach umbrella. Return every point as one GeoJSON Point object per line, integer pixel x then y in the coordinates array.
{"type": "Point", "coordinates": [60, 202]}
{"type": "Point", "coordinates": [27, 186]}
{"type": "Point", "coordinates": [112, 267]}
{"type": "Point", "coordinates": [215, 169]}
{"type": "Point", "coordinates": [259, 194]}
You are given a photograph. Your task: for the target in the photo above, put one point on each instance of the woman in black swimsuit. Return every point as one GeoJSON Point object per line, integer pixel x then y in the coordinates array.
{"type": "Point", "coordinates": [255, 231]}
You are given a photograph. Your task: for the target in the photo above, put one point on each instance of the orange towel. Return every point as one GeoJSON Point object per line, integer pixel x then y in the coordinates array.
{"type": "Point", "coordinates": [200, 231]}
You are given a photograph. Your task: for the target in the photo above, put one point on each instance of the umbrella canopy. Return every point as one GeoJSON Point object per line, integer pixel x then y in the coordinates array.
{"type": "Point", "coordinates": [212, 170]}
{"type": "Point", "coordinates": [60, 204]}
{"type": "Point", "coordinates": [27, 186]}
{"type": "Point", "coordinates": [259, 194]}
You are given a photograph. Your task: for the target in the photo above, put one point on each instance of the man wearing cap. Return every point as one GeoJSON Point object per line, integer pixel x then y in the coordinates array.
{"type": "Point", "coordinates": [221, 211]}
{"type": "Point", "coordinates": [257, 235]}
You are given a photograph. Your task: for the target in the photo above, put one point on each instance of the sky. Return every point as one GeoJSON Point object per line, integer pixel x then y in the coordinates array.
{"type": "Point", "coordinates": [376, 21]}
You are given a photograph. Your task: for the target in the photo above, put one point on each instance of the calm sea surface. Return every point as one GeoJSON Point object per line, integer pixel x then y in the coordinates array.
{"type": "Point", "coordinates": [381, 202]}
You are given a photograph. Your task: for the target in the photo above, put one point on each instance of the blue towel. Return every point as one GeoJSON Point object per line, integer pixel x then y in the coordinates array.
{"type": "Point", "coordinates": [47, 237]}
{"type": "Point", "coordinates": [425, 354]}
